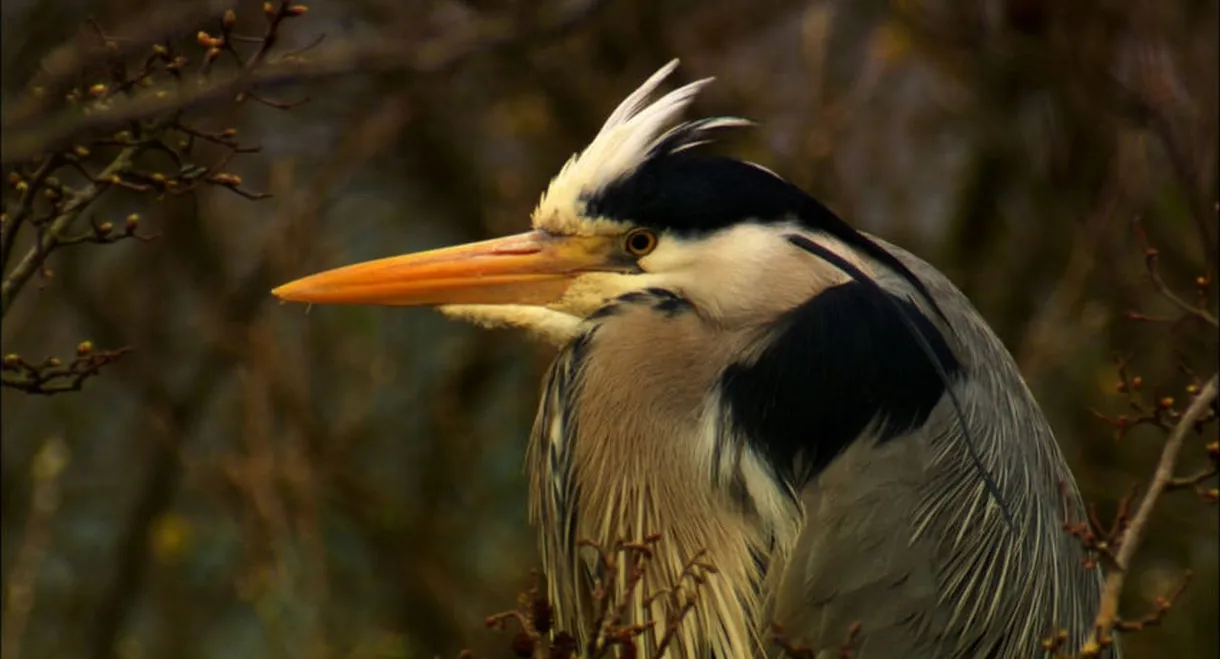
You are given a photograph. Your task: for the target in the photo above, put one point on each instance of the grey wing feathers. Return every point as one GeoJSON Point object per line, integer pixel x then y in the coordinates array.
{"type": "Point", "coordinates": [852, 564]}
{"type": "Point", "coordinates": [902, 537]}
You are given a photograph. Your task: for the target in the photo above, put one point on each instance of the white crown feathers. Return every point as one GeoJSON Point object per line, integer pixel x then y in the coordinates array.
{"type": "Point", "coordinates": [633, 133]}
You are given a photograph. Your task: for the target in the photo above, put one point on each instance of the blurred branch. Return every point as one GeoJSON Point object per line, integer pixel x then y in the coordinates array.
{"type": "Point", "coordinates": [477, 37]}
{"type": "Point", "coordinates": [50, 236]}
{"type": "Point", "coordinates": [625, 565]}
{"type": "Point", "coordinates": [10, 222]}
{"type": "Point", "coordinates": [160, 134]}
{"type": "Point", "coordinates": [1200, 311]}
{"type": "Point", "coordinates": [1184, 170]}
{"type": "Point", "coordinates": [173, 416]}
{"type": "Point", "coordinates": [1107, 616]}
{"type": "Point", "coordinates": [1044, 339]}
{"type": "Point", "coordinates": [141, 100]}
{"type": "Point", "coordinates": [235, 308]}
{"type": "Point", "coordinates": [172, 413]}
{"type": "Point", "coordinates": [52, 376]}
{"type": "Point", "coordinates": [61, 65]}
{"type": "Point", "coordinates": [46, 468]}
{"type": "Point", "coordinates": [1163, 604]}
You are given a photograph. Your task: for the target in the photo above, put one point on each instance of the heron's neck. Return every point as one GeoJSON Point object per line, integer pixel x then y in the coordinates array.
{"type": "Point", "coordinates": [716, 560]}
{"type": "Point", "coordinates": [605, 476]}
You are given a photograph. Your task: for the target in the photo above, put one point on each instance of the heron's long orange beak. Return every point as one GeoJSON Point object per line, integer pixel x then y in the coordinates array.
{"type": "Point", "coordinates": [528, 268]}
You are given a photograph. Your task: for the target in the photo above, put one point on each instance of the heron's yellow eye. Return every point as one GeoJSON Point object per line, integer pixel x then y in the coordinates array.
{"type": "Point", "coordinates": [640, 242]}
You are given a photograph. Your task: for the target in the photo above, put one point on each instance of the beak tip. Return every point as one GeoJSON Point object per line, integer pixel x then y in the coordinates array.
{"type": "Point", "coordinates": [285, 292]}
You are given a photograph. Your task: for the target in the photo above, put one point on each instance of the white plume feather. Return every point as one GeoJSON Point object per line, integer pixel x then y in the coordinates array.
{"type": "Point", "coordinates": [630, 135]}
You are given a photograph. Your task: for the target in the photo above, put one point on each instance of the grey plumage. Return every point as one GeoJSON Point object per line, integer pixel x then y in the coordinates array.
{"type": "Point", "coordinates": [900, 538]}
{"type": "Point", "coordinates": [822, 413]}
{"type": "Point", "coordinates": [947, 578]}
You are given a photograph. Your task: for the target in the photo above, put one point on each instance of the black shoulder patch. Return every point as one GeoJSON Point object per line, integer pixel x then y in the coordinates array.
{"type": "Point", "coordinates": [840, 361]}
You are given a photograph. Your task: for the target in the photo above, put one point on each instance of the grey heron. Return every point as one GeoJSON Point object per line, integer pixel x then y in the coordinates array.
{"type": "Point", "coordinates": [744, 373]}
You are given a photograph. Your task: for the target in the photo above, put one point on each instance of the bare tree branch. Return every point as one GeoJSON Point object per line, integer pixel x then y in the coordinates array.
{"type": "Point", "coordinates": [37, 255]}
{"type": "Point", "coordinates": [476, 38]}
{"type": "Point", "coordinates": [1107, 616]}
{"type": "Point", "coordinates": [48, 465]}
{"type": "Point", "coordinates": [64, 63]}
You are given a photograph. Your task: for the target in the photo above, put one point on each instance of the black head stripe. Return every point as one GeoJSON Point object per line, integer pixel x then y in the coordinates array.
{"type": "Point", "coordinates": [687, 192]}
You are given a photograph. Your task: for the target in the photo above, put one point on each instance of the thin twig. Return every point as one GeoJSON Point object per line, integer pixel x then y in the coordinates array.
{"type": "Point", "coordinates": [1107, 615]}
{"type": "Point", "coordinates": [62, 64]}
{"type": "Point", "coordinates": [15, 279]}
{"type": "Point", "coordinates": [1151, 260]}
{"type": "Point", "coordinates": [432, 57]}
{"type": "Point", "coordinates": [54, 377]}
{"type": "Point", "coordinates": [1188, 179]}
{"type": "Point", "coordinates": [8, 237]}
{"type": "Point", "coordinates": [1192, 481]}
{"type": "Point", "coordinates": [1163, 604]}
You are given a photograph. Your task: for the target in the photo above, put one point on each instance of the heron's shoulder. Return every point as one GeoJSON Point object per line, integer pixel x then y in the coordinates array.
{"type": "Point", "coordinates": [844, 363]}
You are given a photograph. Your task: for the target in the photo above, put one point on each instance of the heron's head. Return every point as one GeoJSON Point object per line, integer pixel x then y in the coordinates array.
{"type": "Point", "coordinates": [639, 208]}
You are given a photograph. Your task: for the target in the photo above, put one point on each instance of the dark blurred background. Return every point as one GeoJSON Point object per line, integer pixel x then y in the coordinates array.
{"type": "Point", "coordinates": [252, 480]}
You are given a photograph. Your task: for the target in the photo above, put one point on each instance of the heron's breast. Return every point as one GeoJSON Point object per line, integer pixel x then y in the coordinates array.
{"type": "Point", "coordinates": [633, 456]}
{"type": "Point", "coordinates": [646, 383]}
